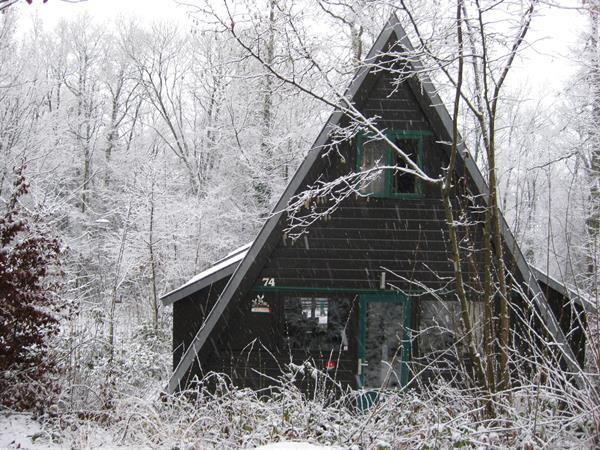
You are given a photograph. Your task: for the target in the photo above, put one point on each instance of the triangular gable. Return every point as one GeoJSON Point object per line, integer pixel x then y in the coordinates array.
{"type": "Point", "coordinates": [442, 124]}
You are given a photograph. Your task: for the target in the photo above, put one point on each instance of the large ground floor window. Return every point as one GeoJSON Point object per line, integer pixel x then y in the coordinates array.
{"type": "Point", "coordinates": [379, 339]}
{"type": "Point", "coordinates": [316, 323]}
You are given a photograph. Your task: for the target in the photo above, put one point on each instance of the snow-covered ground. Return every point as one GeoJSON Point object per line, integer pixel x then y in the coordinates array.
{"type": "Point", "coordinates": [294, 446]}
{"type": "Point", "coordinates": [21, 431]}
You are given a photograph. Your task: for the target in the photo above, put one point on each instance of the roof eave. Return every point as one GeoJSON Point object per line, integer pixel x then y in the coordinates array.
{"type": "Point", "coordinates": [565, 290]}
{"type": "Point", "coordinates": [192, 288]}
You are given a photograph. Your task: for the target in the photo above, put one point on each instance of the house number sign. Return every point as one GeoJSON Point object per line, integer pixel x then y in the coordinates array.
{"type": "Point", "coordinates": [268, 282]}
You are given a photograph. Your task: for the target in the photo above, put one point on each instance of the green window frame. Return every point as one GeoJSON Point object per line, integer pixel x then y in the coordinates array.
{"type": "Point", "coordinates": [390, 159]}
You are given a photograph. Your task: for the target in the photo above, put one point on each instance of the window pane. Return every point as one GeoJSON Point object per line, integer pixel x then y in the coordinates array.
{"type": "Point", "coordinates": [373, 155]}
{"type": "Point", "coordinates": [438, 324]}
{"type": "Point", "coordinates": [384, 344]}
{"type": "Point", "coordinates": [316, 324]}
{"type": "Point", "coordinates": [401, 181]}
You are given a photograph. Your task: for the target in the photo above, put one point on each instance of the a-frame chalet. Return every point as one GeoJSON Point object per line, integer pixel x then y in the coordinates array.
{"type": "Point", "coordinates": [368, 290]}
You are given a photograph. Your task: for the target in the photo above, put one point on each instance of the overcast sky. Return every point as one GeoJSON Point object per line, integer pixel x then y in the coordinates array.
{"type": "Point", "coordinates": [554, 36]}
{"type": "Point", "coordinates": [53, 10]}
{"type": "Point", "coordinates": [546, 67]}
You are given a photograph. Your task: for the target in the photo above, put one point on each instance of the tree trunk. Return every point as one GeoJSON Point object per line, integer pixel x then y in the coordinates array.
{"type": "Point", "coordinates": [446, 187]}
{"type": "Point", "coordinates": [116, 284]}
{"type": "Point", "coordinates": [262, 185]}
{"type": "Point", "coordinates": [154, 298]}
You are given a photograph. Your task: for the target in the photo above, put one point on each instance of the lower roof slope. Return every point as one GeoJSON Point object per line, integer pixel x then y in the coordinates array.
{"type": "Point", "coordinates": [220, 269]}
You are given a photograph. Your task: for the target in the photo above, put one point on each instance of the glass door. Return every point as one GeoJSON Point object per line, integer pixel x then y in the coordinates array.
{"type": "Point", "coordinates": [384, 341]}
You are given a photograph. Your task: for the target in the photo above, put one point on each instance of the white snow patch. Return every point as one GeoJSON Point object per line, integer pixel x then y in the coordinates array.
{"type": "Point", "coordinates": [225, 263]}
{"type": "Point", "coordinates": [239, 249]}
{"type": "Point", "coordinates": [295, 446]}
{"type": "Point", "coordinates": [21, 431]}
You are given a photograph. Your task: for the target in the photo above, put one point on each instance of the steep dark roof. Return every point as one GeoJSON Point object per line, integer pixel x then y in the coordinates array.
{"type": "Point", "coordinates": [438, 116]}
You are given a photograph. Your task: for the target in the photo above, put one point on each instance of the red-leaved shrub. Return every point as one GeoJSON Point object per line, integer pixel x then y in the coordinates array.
{"type": "Point", "coordinates": [29, 306]}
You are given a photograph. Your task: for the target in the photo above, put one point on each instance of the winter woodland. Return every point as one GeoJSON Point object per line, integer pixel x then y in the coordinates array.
{"type": "Point", "coordinates": [135, 154]}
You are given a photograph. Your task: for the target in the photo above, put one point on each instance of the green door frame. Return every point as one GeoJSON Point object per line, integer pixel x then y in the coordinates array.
{"type": "Point", "coordinates": [396, 298]}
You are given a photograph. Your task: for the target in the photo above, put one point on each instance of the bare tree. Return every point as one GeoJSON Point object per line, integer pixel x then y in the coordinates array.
{"type": "Point", "coordinates": [87, 41]}
{"type": "Point", "coordinates": [124, 103]}
{"type": "Point", "coordinates": [169, 75]}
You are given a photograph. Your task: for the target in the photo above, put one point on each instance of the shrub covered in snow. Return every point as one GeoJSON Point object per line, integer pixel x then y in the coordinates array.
{"type": "Point", "coordinates": [549, 414]}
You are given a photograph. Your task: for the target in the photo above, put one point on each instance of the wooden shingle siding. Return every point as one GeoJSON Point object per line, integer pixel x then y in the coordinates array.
{"type": "Point", "coordinates": [406, 238]}
{"type": "Point", "coordinates": [396, 106]}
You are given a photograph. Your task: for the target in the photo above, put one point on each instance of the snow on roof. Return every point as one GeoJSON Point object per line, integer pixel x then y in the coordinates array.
{"type": "Point", "coordinates": [196, 282]}
{"type": "Point", "coordinates": [220, 265]}
{"type": "Point", "coordinates": [235, 252]}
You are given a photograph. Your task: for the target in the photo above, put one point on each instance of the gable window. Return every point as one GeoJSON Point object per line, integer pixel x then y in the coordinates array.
{"type": "Point", "coordinates": [373, 152]}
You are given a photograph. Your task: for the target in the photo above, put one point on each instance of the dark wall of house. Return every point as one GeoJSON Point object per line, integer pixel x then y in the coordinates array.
{"type": "Point", "coordinates": [572, 320]}
{"type": "Point", "coordinates": [405, 239]}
